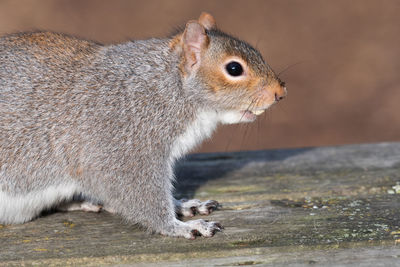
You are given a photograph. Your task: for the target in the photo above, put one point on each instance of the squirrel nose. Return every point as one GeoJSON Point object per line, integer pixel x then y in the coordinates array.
{"type": "Point", "coordinates": [280, 91]}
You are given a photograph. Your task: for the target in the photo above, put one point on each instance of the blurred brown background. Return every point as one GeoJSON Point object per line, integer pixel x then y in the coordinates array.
{"type": "Point", "coordinates": [345, 55]}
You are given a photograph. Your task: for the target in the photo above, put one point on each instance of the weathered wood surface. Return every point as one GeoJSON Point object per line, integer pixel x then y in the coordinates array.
{"type": "Point", "coordinates": [317, 206]}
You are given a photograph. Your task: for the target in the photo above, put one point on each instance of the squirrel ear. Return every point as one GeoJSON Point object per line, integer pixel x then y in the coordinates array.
{"type": "Point", "coordinates": [207, 21]}
{"type": "Point", "coordinates": [195, 41]}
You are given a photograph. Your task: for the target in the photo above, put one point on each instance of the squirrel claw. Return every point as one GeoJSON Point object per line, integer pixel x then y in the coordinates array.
{"type": "Point", "coordinates": [193, 211]}
{"type": "Point", "coordinates": [195, 233]}
{"type": "Point", "coordinates": [204, 228]}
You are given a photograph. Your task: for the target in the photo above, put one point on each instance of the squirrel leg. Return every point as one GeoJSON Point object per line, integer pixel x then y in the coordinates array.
{"type": "Point", "coordinates": [190, 208]}
{"type": "Point", "coordinates": [165, 222]}
{"type": "Point", "coordinates": [191, 229]}
{"type": "Point", "coordinates": [152, 206]}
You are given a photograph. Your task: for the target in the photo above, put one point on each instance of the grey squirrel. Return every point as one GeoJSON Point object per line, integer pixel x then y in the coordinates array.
{"type": "Point", "coordinates": [108, 122]}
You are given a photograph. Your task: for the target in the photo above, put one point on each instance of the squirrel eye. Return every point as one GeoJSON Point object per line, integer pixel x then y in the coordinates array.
{"type": "Point", "coordinates": [234, 68]}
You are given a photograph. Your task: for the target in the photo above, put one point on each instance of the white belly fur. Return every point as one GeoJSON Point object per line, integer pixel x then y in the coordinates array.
{"type": "Point", "coordinates": [201, 128]}
{"type": "Point", "coordinates": [22, 208]}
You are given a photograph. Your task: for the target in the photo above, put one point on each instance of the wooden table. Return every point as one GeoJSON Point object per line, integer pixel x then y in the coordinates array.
{"type": "Point", "coordinates": [326, 206]}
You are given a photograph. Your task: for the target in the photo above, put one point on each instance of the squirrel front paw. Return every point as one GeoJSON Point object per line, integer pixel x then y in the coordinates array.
{"type": "Point", "coordinates": [189, 208]}
{"type": "Point", "coordinates": [192, 229]}
{"type": "Point", "coordinates": [204, 228]}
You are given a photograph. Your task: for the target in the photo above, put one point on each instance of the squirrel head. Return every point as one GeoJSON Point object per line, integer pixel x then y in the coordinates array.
{"type": "Point", "coordinates": [237, 80]}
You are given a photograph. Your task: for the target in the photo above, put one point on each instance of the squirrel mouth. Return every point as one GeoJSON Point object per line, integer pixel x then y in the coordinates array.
{"type": "Point", "coordinates": [250, 115]}
{"type": "Point", "coordinates": [258, 112]}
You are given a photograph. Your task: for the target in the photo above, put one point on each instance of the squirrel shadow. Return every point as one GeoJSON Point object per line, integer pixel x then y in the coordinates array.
{"type": "Point", "coordinates": [197, 169]}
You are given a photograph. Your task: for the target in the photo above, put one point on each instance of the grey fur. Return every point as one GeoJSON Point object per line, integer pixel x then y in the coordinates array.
{"type": "Point", "coordinates": [99, 121]}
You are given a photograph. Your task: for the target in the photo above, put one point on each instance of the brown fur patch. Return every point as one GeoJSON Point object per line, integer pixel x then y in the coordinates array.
{"type": "Point", "coordinates": [175, 42]}
{"type": "Point", "coordinates": [254, 89]}
{"type": "Point", "coordinates": [219, 80]}
{"type": "Point", "coordinates": [55, 45]}
{"type": "Point", "coordinates": [207, 21]}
